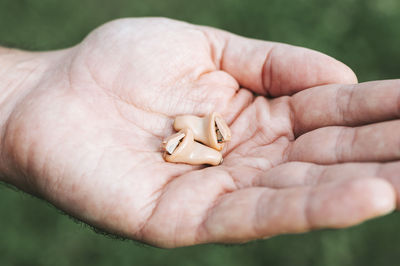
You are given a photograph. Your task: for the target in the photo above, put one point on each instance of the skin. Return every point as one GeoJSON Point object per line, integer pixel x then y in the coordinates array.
{"type": "Point", "coordinates": [82, 129]}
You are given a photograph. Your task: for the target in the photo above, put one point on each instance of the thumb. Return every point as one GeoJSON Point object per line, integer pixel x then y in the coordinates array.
{"type": "Point", "coordinates": [272, 68]}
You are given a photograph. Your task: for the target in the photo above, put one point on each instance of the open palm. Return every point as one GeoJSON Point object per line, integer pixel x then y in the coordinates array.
{"type": "Point", "coordinates": [87, 137]}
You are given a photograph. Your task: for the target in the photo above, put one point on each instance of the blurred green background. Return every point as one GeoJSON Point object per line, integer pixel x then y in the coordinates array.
{"type": "Point", "coordinates": [364, 34]}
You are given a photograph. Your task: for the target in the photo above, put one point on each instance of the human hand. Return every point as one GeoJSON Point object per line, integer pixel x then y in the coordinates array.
{"type": "Point", "coordinates": [85, 135]}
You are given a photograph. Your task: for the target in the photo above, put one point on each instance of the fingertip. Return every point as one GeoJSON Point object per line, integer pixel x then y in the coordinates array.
{"type": "Point", "coordinates": [351, 202]}
{"type": "Point", "coordinates": [381, 196]}
{"type": "Point", "coordinates": [345, 75]}
{"type": "Point", "coordinates": [329, 70]}
{"type": "Point", "coordinates": [368, 198]}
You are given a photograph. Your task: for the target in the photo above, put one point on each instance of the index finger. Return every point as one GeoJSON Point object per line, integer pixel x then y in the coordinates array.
{"type": "Point", "coordinates": [346, 105]}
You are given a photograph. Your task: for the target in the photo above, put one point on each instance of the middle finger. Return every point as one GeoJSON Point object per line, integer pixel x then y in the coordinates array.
{"type": "Point", "coordinates": [374, 143]}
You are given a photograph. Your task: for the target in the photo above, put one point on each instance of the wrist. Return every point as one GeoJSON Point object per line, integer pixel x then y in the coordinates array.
{"type": "Point", "coordinates": [20, 72]}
